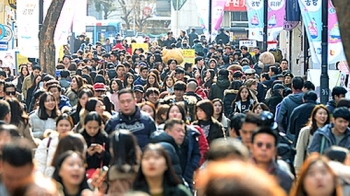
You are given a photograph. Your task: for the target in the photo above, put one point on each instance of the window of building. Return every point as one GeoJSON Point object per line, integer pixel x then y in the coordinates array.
{"type": "Point", "coordinates": [239, 16]}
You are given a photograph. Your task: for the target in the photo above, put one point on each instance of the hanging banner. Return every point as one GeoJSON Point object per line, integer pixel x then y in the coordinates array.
{"type": "Point", "coordinates": [235, 6]}
{"type": "Point", "coordinates": [312, 19]}
{"type": "Point", "coordinates": [27, 27]}
{"type": "Point", "coordinates": [292, 10]}
{"type": "Point", "coordinates": [65, 22]}
{"type": "Point", "coordinates": [255, 11]}
{"type": "Point", "coordinates": [276, 14]}
{"type": "Point", "coordinates": [335, 45]}
{"type": "Point", "coordinates": [203, 14]}
{"type": "Point", "coordinates": [79, 24]}
{"type": "Point", "coordinates": [217, 13]}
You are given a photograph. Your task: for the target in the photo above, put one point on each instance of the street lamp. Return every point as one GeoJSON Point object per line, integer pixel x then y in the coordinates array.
{"type": "Point", "coordinates": [324, 92]}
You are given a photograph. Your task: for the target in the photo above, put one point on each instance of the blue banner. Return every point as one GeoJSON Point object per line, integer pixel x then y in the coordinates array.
{"type": "Point", "coordinates": [255, 11]}
{"type": "Point", "coordinates": [292, 10]}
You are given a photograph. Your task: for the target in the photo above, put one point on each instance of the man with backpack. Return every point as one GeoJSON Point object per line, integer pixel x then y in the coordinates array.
{"type": "Point", "coordinates": [336, 133]}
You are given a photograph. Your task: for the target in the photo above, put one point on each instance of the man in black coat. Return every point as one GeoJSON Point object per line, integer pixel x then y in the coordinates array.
{"type": "Point", "coordinates": [223, 37]}
{"type": "Point", "coordinates": [276, 97]}
{"type": "Point", "coordinates": [192, 36]}
{"type": "Point", "coordinates": [301, 114]}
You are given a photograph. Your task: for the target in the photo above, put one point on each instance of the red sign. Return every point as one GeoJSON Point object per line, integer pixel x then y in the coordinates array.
{"type": "Point", "coordinates": [235, 6]}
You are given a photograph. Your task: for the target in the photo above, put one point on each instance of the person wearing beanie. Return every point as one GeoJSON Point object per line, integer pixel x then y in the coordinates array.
{"type": "Point", "coordinates": [217, 89]}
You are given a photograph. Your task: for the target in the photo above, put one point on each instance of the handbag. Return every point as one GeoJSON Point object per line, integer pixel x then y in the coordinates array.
{"type": "Point", "coordinates": [91, 171]}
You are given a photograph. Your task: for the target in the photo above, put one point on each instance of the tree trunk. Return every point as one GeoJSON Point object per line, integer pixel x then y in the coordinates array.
{"type": "Point", "coordinates": [47, 50]}
{"type": "Point", "coordinates": [343, 13]}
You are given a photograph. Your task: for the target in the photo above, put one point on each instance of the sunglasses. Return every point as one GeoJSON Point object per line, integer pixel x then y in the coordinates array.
{"type": "Point", "coordinates": [267, 145]}
{"type": "Point", "coordinates": [11, 93]}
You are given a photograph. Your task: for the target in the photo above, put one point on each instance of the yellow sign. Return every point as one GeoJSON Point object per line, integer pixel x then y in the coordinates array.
{"type": "Point", "coordinates": [144, 46]}
{"type": "Point", "coordinates": [189, 55]}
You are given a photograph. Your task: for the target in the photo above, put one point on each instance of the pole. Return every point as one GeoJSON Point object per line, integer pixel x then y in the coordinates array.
{"type": "Point", "coordinates": [177, 17]}
{"type": "Point", "coordinates": [306, 52]}
{"type": "Point", "coordinates": [324, 49]}
{"type": "Point", "coordinates": [41, 13]}
{"type": "Point", "coordinates": [209, 28]}
{"type": "Point", "coordinates": [265, 34]}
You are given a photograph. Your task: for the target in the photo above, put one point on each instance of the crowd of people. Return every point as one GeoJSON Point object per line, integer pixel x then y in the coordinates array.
{"type": "Point", "coordinates": [113, 121]}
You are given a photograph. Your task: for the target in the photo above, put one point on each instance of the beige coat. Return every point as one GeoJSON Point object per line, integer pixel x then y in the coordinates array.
{"type": "Point", "coordinates": [304, 140]}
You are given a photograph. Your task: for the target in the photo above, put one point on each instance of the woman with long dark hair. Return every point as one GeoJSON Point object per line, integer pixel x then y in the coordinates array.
{"type": "Point", "coordinates": [115, 86]}
{"type": "Point", "coordinates": [152, 81]}
{"type": "Point", "coordinates": [156, 175]}
{"type": "Point", "coordinates": [47, 147]}
{"type": "Point", "coordinates": [20, 118]}
{"type": "Point", "coordinates": [45, 116]}
{"type": "Point", "coordinates": [168, 84]}
{"type": "Point", "coordinates": [243, 102]}
{"type": "Point", "coordinates": [84, 94]}
{"type": "Point", "coordinates": [24, 72]}
{"type": "Point", "coordinates": [70, 174]}
{"type": "Point", "coordinates": [31, 91]}
{"type": "Point", "coordinates": [125, 160]}
{"type": "Point", "coordinates": [72, 92]}
{"type": "Point", "coordinates": [320, 116]}
{"type": "Point", "coordinates": [129, 79]}
{"type": "Point", "coordinates": [211, 127]}
{"type": "Point", "coordinates": [219, 114]}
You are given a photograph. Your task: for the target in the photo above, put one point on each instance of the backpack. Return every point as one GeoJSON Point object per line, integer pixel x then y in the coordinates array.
{"type": "Point", "coordinates": [286, 150]}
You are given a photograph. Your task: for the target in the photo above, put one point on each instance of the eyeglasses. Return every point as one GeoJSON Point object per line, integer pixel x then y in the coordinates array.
{"type": "Point", "coordinates": [11, 93]}
{"type": "Point", "coordinates": [267, 145]}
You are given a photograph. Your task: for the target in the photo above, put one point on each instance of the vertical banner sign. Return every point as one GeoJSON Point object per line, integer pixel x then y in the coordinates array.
{"type": "Point", "coordinates": [292, 10]}
{"type": "Point", "coordinates": [217, 13]}
{"type": "Point", "coordinates": [312, 17]}
{"type": "Point", "coordinates": [203, 13]}
{"type": "Point", "coordinates": [255, 11]}
{"type": "Point", "coordinates": [276, 15]}
{"type": "Point", "coordinates": [28, 27]}
{"type": "Point", "coordinates": [65, 22]}
{"type": "Point", "coordinates": [79, 24]}
{"type": "Point", "coordinates": [335, 45]}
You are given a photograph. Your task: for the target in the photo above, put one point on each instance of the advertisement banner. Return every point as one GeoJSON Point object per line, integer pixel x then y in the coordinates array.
{"type": "Point", "coordinates": [312, 19]}
{"type": "Point", "coordinates": [235, 6]}
{"type": "Point", "coordinates": [189, 55]}
{"type": "Point", "coordinates": [27, 27]}
{"type": "Point", "coordinates": [65, 22]}
{"type": "Point", "coordinates": [217, 13]}
{"type": "Point", "coordinates": [292, 10]}
{"type": "Point", "coordinates": [276, 14]}
{"type": "Point", "coordinates": [255, 11]}
{"type": "Point", "coordinates": [203, 14]}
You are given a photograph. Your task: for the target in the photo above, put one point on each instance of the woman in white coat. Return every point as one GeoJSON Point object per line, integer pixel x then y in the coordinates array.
{"type": "Point", "coordinates": [47, 147]}
{"type": "Point", "coordinates": [45, 116]}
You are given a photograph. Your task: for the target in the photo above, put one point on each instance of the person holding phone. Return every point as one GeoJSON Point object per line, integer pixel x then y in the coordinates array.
{"type": "Point", "coordinates": [97, 141]}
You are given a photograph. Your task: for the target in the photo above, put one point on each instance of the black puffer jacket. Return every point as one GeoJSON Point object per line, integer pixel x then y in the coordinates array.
{"type": "Point", "coordinates": [170, 146]}
{"type": "Point", "coordinates": [217, 89]}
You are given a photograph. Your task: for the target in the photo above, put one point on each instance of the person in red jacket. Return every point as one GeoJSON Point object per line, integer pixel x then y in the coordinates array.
{"type": "Point", "coordinates": [118, 45]}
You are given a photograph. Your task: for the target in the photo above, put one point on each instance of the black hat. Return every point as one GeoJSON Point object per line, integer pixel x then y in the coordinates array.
{"type": "Point", "coordinates": [138, 88]}
{"type": "Point", "coordinates": [223, 72]}
{"type": "Point", "coordinates": [237, 74]}
{"type": "Point", "coordinates": [288, 74]}
{"type": "Point", "coordinates": [67, 56]}
{"type": "Point", "coordinates": [195, 40]}
{"type": "Point", "coordinates": [110, 66]}
{"type": "Point", "coordinates": [278, 87]}
{"type": "Point", "coordinates": [179, 70]}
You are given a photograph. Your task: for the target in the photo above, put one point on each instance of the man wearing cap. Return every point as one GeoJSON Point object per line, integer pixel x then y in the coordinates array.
{"type": "Point", "coordinates": [131, 118]}
{"type": "Point", "coordinates": [217, 89]}
{"type": "Point", "coordinates": [139, 93]}
{"type": "Point", "coordinates": [276, 98]}
{"type": "Point", "coordinates": [99, 89]}
{"type": "Point", "coordinates": [288, 79]}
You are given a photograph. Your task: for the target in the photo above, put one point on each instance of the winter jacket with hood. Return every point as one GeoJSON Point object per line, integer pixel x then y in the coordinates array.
{"type": "Point", "coordinates": [229, 97]}
{"type": "Point", "coordinates": [331, 105]}
{"type": "Point", "coordinates": [287, 106]}
{"type": "Point", "coordinates": [216, 130]}
{"type": "Point", "coordinates": [326, 132]}
{"type": "Point", "coordinates": [299, 117]}
{"type": "Point", "coordinates": [170, 146]}
{"type": "Point", "coordinates": [217, 90]}
{"type": "Point", "coordinates": [139, 123]}
{"type": "Point", "coordinates": [273, 101]}
{"type": "Point", "coordinates": [64, 101]}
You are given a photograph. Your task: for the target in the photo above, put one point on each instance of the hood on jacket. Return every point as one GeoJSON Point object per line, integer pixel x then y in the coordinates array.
{"type": "Point", "coordinates": [297, 98]}
{"type": "Point", "coordinates": [230, 91]}
{"type": "Point", "coordinates": [223, 83]}
{"type": "Point", "coordinates": [162, 136]}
